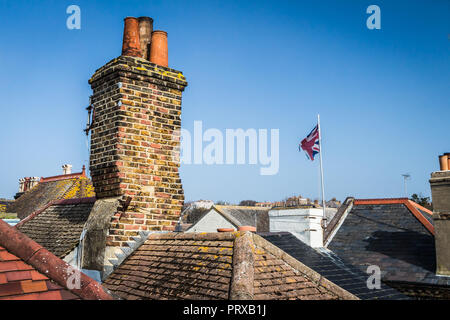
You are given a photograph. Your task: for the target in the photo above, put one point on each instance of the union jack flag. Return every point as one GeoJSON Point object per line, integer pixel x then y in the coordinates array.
{"type": "Point", "coordinates": [311, 144]}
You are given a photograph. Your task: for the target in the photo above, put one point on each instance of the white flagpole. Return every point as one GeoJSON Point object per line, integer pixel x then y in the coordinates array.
{"type": "Point", "coordinates": [321, 166]}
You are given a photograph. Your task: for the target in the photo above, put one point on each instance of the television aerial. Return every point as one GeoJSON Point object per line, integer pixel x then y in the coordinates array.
{"type": "Point", "coordinates": [406, 176]}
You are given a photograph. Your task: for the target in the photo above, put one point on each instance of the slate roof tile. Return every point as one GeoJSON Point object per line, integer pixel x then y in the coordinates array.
{"type": "Point", "coordinates": [396, 235]}
{"type": "Point", "coordinates": [330, 266]}
{"type": "Point", "coordinates": [58, 227]}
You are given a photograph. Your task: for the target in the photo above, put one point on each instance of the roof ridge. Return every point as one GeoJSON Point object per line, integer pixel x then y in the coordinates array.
{"type": "Point", "coordinates": [337, 220]}
{"type": "Point", "coordinates": [48, 264]}
{"type": "Point", "coordinates": [228, 217]}
{"type": "Point", "coordinates": [411, 206]}
{"type": "Point", "coordinates": [194, 236]}
{"type": "Point", "coordinates": [59, 177]}
{"type": "Point", "coordinates": [381, 200]}
{"type": "Point", "coordinates": [237, 206]}
{"type": "Point", "coordinates": [419, 216]}
{"type": "Point", "coordinates": [418, 206]}
{"type": "Point", "coordinates": [243, 270]}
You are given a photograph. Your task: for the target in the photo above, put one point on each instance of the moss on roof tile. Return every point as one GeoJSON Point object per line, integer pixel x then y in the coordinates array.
{"type": "Point", "coordinates": [45, 192]}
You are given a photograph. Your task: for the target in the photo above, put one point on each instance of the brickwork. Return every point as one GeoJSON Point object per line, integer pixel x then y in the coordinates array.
{"type": "Point", "coordinates": [440, 193]}
{"type": "Point", "coordinates": [135, 144]}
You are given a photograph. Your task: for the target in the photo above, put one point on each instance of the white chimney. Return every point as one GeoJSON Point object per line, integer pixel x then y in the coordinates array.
{"type": "Point", "coordinates": [21, 184]}
{"type": "Point", "coordinates": [305, 224]}
{"type": "Point", "coordinates": [34, 181]}
{"type": "Point", "coordinates": [67, 169]}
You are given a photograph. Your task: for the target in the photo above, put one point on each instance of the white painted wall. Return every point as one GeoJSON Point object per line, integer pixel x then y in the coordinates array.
{"type": "Point", "coordinates": [210, 222]}
{"type": "Point", "coordinates": [305, 224]}
{"type": "Point", "coordinates": [71, 258]}
{"type": "Point", "coordinates": [11, 222]}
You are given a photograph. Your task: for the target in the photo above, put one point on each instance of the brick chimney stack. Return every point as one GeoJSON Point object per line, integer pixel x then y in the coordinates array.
{"type": "Point", "coordinates": [135, 138]}
{"type": "Point", "coordinates": [440, 192]}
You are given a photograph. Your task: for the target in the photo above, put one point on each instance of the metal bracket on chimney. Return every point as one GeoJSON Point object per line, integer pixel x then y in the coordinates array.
{"type": "Point", "coordinates": [125, 203]}
{"type": "Point", "coordinates": [90, 120]}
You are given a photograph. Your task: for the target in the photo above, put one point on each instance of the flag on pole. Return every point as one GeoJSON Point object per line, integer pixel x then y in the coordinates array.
{"type": "Point", "coordinates": [311, 144]}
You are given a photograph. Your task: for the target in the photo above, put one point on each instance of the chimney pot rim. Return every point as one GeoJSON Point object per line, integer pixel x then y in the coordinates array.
{"type": "Point", "coordinates": [159, 31]}
{"type": "Point", "coordinates": [145, 19]}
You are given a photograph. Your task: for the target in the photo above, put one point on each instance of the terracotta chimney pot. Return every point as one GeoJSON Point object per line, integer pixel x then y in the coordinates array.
{"type": "Point", "coordinates": [443, 161]}
{"type": "Point", "coordinates": [247, 228]}
{"type": "Point", "coordinates": [159, 50]}
{"type": "Point", "coordinates": [225, 230]}
{"type": "Point", "coordinates": [131, 45]}
{"type": "Point", "coordinates": [145, 35]}
{"type": "Point", "coordinates": [448, 159]}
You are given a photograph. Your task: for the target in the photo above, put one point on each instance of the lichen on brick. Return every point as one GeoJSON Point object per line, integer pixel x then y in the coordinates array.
{"type": "Point", "coordinates": [134, 138]}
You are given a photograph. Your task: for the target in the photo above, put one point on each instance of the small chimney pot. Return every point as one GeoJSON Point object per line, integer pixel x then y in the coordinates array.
{"type": "Point", "coordinates": [247, 228]}
{"type": "Point", "coordinates": [443, 161]}
{"type": "Point", "coordinates": [158, 50]}
{"type": "Point", "coordinates": [225, 230]}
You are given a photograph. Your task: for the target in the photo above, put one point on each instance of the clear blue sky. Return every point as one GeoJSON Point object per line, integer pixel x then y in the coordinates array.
{"type": "Point", "coordinates": [383, 95]}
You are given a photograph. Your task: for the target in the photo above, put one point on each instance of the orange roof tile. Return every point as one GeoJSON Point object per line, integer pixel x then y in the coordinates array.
{"type": "Point", "coordinates": [30, 272]}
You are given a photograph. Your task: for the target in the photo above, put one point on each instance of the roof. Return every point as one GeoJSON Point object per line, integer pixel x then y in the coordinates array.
{"type": "Point", "coordinates": [50, 189]}
{"type": "Point", "coordinates": [5, 204]}
{"type": "Point", "coordinates": [329, 265]}
{"type": "Point", "coordinates": [58, 226]}
{"type": "Point", "coordinates": [394, 234]}
{"type": "Point", "coordinates": [30, 272]}
{"type": "Point", "coordinates": [246, 216]}
{"type": "Point", "coordinates": [211, 266]}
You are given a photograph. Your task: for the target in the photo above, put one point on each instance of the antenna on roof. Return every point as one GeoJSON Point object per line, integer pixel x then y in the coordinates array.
{"type": "Point", "coordinates": [406, 176]}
